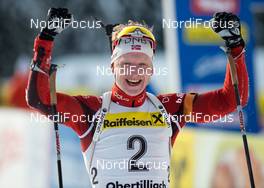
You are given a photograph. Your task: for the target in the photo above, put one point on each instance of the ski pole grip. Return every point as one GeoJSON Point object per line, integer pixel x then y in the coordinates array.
{"type": "Point", "coordinates": [233, 71]}
{"type": "Point", "coordinates": [52, 82]}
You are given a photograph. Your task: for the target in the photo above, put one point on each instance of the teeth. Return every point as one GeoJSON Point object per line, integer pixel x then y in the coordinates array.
{"type": "Point", "coordinates": [133, 81]}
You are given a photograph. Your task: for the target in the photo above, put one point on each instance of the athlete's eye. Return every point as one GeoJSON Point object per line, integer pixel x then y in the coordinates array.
{"type": "Point", "coordinates": [143, 65]}
{"type": "Point", "coordinates": [126, 64]}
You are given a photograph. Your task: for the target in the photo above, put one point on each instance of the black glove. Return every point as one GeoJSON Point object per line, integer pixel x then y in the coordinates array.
{"type": "Point", "coordinates": [227, 26]}
{"type": "Point", "coordinates": [58, 19]}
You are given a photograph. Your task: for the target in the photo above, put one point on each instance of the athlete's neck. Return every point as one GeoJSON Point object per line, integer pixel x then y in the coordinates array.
{"type": "Point", "coordinates": [120, 97]}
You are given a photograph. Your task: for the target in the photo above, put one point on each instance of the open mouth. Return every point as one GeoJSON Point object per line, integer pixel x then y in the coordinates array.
{"type": "Point", "coordinates": [133, 82]}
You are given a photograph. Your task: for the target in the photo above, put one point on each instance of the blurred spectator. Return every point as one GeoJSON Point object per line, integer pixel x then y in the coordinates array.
{"type": "Point", "coordinates": [16, 86]}
{"type": "Point", "coordinates": [232, 172]}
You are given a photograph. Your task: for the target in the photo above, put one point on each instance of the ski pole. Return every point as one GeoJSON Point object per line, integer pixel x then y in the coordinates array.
{"type": "Point", "coordinates": [53, 102]}
{"type": "Point", "coordinates": [108, 31]}
{"type": "Point", "coordinates": [233, 73]}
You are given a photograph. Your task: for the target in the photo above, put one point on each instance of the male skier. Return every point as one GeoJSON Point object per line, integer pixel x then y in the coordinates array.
{"type": "Point", "coordinates": [133, 131]}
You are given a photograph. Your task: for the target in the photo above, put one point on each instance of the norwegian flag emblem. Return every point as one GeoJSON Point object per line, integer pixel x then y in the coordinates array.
{"type": "Point", "coordinates": [136, 47]}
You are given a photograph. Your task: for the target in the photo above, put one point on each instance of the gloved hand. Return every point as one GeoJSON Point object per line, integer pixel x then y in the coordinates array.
{"type": "Point", "coordinates": [228, 27]}
{"type": "Point", "coordinates": [58, 19]}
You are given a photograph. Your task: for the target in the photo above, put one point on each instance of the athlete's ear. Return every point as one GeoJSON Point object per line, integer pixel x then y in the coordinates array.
{"type": "Point", "coordinates": [150, 73]}
{"type": "Point", "coordinates": [113, 67]}
{"type": "Point", "coordinates": [150, 70]}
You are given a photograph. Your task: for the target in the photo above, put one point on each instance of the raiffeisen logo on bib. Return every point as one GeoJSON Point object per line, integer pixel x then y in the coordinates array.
{"type": "Point", "coordinates": [138, 184]}
{"type": "Point", "coordinates": [134, 119]}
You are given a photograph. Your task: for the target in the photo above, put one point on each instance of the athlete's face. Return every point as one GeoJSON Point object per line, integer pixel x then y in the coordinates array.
{"type": "Point", "coordinates": [132, 72]}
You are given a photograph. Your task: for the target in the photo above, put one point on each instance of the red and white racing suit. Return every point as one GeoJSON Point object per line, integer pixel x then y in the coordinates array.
{"type": "Point", "coordinates": [132, 129]}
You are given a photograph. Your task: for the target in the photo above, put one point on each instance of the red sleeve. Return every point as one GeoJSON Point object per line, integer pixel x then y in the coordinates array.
{"type": "Point", "coordinates": [175, 106]}
{"type": "Point", "coordinates": [221, 102]}
{"type": "Point", "coordinates": [73, 109]}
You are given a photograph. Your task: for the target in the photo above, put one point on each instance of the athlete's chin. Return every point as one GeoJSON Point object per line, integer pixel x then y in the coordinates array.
{"type": "Point", "coordinates": [134, 90]}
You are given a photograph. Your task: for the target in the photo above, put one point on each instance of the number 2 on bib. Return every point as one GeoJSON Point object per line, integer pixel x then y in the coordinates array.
{"type": "Point", "coordinates": [133, 161]}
